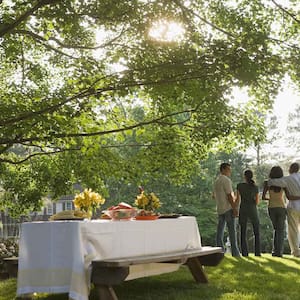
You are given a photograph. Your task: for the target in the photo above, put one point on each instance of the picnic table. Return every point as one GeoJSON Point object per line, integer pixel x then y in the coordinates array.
{"type": "Point", "coordinates": [58, 256]}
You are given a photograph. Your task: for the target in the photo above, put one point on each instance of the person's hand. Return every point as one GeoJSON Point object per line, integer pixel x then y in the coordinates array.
{"type": "Point", "coordinates": [235, 212]}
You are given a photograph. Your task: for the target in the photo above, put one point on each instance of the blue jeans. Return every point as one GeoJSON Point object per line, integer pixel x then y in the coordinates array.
{"type": "Point", "coordinates": [278, 217]}
{"type": "Point", "coordinates": [230, 220]}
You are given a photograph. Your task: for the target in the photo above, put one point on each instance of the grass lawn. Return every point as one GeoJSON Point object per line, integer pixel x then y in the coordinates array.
{"type": "Point", "coordinates": [266, 278]}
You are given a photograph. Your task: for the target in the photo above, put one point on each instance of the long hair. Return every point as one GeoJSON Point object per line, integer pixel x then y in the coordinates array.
{"type": "Point", "coordinates": [276, 172]}
{"type": "Point", "coordinates": [249, 177]}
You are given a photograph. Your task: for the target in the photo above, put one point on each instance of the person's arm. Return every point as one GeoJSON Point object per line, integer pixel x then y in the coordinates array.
{"type": "Point", "coordinates": [233, 203]}
{"type": "Point", "coordinates": [266, 188]}
{"type": "Point", "coordinates": [291, 197]}
{"type": "Point", "coordinates": [231, 199]}
{"type": "Point", "coordinates": [230, 196]}
{"type": "Point", "coordinates": [281, 182]}
{"type": "Point", "coordinates": [257, 198]}
{"type": "Point", "coordinates": [238, 198]}
{"type": "Point", "coordinates": [213, 193]}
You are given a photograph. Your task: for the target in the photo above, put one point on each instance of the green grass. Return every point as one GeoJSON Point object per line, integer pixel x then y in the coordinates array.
{"type": "Point", "coordinates": [266, 278]}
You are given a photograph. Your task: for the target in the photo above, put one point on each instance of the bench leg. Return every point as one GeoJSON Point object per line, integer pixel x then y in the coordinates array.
{"type": "Point", "coordinates": [106, 292]}
{"type": "Point", "coordinates": [11, 266]}
{"type": "Point", "coordinates": [12, 270]}
{"type": "Point", "coordinates": [4, 275]}
{"type": "Point", "coordinates": [211, 259]}
{"type": "Point", "coordinates": [197, 270]}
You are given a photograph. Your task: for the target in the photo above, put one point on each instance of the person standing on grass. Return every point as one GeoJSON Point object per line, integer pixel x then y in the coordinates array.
{"type": "Point", "coordinates": [248, 197]}
{"type": "Point", "coordinates": [227, 209]}
{"type": "Point", "coordinates": [291, 184]}
{"type": "Point", "coordinates": [277, 210]}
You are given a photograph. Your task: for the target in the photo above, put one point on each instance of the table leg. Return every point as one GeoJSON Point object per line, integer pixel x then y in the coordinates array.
{"type": "Point", "coordinates": [197, 270]}
{"type": "Point", "coordinates": [106, 292]}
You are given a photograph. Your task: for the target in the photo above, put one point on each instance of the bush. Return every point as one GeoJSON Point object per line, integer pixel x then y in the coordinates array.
{"type": "Point", "coordinates": [8, 248]}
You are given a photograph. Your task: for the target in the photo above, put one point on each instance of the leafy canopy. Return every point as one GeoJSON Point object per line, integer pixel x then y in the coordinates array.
{"type": "Point", "coordinates": [84, 83]}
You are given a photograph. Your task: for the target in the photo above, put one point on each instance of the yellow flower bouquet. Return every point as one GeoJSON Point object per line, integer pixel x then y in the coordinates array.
{"type": "Point", "coordinates": [88, 201]}
{"type": "Point", "coordinates": [147, 203]}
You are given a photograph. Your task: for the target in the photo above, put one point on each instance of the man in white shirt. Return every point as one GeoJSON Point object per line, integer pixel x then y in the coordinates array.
{"type": "Point", "coordinates": [292, 184]}
{"type": "Point", "coordinates": [227, 208]}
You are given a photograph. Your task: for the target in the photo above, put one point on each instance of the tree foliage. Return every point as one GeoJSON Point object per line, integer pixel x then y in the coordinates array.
{"type": "Point", "coordinates": [293, 127]}
{"type": "Point", "coordinates": [81, 81]}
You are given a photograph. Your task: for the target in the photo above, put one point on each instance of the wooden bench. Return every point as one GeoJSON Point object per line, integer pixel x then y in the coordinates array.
{"type": "Point", "coordinates": [11, 266]}
{"type": "Point", "coordinates": [110, 272]}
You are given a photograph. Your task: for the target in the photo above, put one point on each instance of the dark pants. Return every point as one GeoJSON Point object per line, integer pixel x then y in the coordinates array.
{"type": "Point", "coordinates": [278, 217]}
{"type": "Point", "coordinates": [252, 216]}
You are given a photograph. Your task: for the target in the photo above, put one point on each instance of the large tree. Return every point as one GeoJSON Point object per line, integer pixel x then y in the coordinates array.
{"type": "Point", "coordinates": [74, 74]}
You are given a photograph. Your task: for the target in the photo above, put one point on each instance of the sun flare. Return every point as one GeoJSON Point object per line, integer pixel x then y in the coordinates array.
{"type": "Point", "coordinates": [167, 31]}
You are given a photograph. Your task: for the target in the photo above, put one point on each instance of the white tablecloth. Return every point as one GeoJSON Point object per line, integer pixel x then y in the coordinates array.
{"type": "Point", "coordinates": [55, 257]}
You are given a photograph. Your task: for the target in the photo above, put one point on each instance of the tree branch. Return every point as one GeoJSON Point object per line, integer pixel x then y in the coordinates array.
{"type": "Point", "coordinates": [69, 46]}
{"type": "Point", "coordinates": [17, 162]}
{"type": "Point", "coordinates": [7, 28]}
{"type": "Point", "coordinates": [43, 41]}
{"type": "Point", "coordinates": [97, 133]}
{"type": "Point", "coordinates": [184, 8]}
{"type": "Point", "coordinates": [232, 35]}
{"type": "Point", "coordinates": [29, 115]}
{"type": "Point", "coordinates": [91, 91]}
{"type": "Point", "coordinates": [286, 11]}
{"type": "Point", "coordinates": [284, 43]}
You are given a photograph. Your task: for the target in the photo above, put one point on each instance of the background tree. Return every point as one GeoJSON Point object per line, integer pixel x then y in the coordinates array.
{"type": "Point", "coordinates": [63, 96]}
{"type": "Point", "coordinates": [293, 128]}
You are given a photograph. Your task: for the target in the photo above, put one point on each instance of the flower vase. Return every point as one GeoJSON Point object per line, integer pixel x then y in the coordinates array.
{"type": "Point", "coordinates": [88, 213]}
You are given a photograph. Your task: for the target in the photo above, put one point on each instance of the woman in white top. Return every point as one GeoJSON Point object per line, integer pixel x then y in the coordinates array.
{"type": "Point", "coordinates": [277, 210]}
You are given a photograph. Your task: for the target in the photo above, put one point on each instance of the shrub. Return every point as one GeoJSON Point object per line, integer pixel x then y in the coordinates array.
{"type": "Point", "coordinates": [8, 248]}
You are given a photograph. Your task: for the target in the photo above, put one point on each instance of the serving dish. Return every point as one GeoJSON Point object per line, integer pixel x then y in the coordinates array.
{"type": "Point", "coordinates": [121, 214]}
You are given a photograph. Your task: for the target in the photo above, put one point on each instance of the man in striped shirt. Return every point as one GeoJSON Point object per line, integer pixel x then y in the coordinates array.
{"type": "Point", "coordinates": [292, 184]}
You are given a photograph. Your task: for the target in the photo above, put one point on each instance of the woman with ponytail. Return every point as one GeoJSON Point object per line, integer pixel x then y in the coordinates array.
{"type": "Point", "coordinates": [247, 195]}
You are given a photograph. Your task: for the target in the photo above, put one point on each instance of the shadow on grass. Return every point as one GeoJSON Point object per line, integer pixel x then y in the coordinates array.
{"type": "Point", "coordinates": [264, 277]}
{"type": "Point", "coordinates": [251, 278]}
{"type": "Point", "coordinates": [175, 286]}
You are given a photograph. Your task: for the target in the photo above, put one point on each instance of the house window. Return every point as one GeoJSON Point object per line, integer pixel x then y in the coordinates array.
{"type": "Point", "coordinates": [68, 205]}
{"type": "Point", "coordinates": [50, 209]}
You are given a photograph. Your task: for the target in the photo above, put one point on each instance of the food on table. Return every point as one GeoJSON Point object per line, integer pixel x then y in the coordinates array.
{"type": "Point", "coordinates": [143, 212]}
{"type": "Point", "coordinates": [122, 211]}
{"type": "Point", "coordinates": [69, 214]}
{"type": "Point", "coordinates": [121, 205]}
{"type": "Point", "coordinates": [105, 216]}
